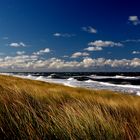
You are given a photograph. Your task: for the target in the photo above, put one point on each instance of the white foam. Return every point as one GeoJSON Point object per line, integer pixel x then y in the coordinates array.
{"type": "Point", "coordinates": [99, 77]}
{"type": "Point", "coordinates": [125, 86]}
{"type": "Point", "coordinates": [89, 81]}
{"type": "Point", "coordinates": [119, 76]}
{"type": "Point", "coordinates": [29, 76]}
{"type": "Point", "coordinates": [132, 89]}
{"type": "Point", "coordinates": [138, 93]}
{"type": "Point", "coordinates": [71, 79]}
{"type": "Point", "coordinates": [69, 84]}
{"type": "Point", "coordinates": [40, 78]}
{"type": "Point", "coordinates": [125, 77]}
{"type": "Point", "coordinates": [116, 77]}
{"type": "Point", "coordinates": [5, 73]}
{"type": "Point", "coordinates": [51, 75]}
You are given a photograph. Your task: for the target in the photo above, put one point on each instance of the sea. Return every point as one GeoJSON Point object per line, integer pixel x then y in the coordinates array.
{"type": "Point", "coordinates": [124, 82]}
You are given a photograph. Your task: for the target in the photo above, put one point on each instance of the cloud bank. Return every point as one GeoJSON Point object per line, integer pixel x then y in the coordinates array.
{"type": "Point", "coordinates": [98, 45]}
{"type": "Point", "coordinates": [34, 62]}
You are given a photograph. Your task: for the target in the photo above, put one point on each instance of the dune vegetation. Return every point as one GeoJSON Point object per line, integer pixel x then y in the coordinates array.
{"type": "Point", "coordinates": [35, 110]}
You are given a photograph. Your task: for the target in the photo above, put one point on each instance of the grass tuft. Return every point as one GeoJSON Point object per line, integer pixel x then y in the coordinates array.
{"type": "Point", "coordinates": [38, 110]}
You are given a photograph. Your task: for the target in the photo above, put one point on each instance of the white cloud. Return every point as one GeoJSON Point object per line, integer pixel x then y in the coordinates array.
{"type": "Point", "coordinates": [99, 44]}
{"type": "Point", "coordinates": [89, 29]}
{"type": "Point", "coordinates": [63, 35]}
{"type": "Point", "coordinates": [20, 61]}
{"type": "Point", "coordinates": [20, 52]}
{"type": "Point", "coordinates": [17, 45]}
{"type": "Point", "coordinates": [57, 34]}
{"type": "Point", "coordinates": [79, 54]}
{"type": "Point", "coordinates": [94, 49]}
{"type": "Point", "coordinates": [134, 20]}
{"type": "Point", "coordinates": [136, 52]}
{"type": "Point", "coordinates": [87, 62]}
{"type": "Point", "coordinates": [37, 63]}
{"type": "Point", "coordinates": [41, 52]}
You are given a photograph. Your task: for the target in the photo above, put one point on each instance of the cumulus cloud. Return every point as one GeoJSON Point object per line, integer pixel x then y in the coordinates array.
{"type": "Point", "coordinates": [41, 52]}
{"type": "Point", "coordinates": [17, 45]}
{"type": "Point", "coordinates": [94, 49]}
{"type": "Point", "coordinates": [20, 61]}
{"type": "Point", "coordinates": [99, 44]}
{"type": "Point", "coordinates": [20, 52]}
{"type": "Point", "coordinates": [79, 54]}
{"type": "Point", "coordinates": [63, 35]}
{"type": "Point", "coordinates": [134, 20]}
{"type": "Point", "coordinates": [89, 29]}
{"type": "Point", "coordinates": [37, 63]}
{"type": "Point", "coordinates": [136, 52]}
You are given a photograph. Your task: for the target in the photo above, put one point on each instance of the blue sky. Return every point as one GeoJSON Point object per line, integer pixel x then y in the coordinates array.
{"type": "Point", "coordinates": [69, 35]}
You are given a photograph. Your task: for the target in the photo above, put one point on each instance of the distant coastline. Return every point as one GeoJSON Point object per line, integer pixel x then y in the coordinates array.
{"type": "Point", "coordinates": [121, 82]}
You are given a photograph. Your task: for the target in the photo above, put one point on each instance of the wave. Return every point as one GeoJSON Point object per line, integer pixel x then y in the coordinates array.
{"type": "Point", "coordinates": [119, 85]}
{"type": "Point", "coordinates": [42, 78]}
{"type": "Point", "coordinates": [71, 79]}
{"type": "Point", "coordinates": [114, 77]}
{"type": "Point", "coordinates": [89, 81]}
{"type": "Point", "coordinates": [29, 76]}
{"type": "Point", "coordinates": [69, 84]}
{"type": "Point", "coordinates": [92, 84]}
{"type": "Point", "coordinates": [51, 75]}
{"type": "Point", "coordinates": [138, 93]}
{"type": "Point", "coordinates": [126, 77]}
{"type": "Point", "coordinates": [113, 85]}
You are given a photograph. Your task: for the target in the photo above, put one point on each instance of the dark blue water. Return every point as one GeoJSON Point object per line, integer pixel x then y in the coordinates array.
{"type": "Point", "coordinates": [130, 78]}
{"type": "Point", "coordinates": [128, 82]}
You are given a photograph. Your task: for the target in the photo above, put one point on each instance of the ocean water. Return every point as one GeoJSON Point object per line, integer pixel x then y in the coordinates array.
{"type": "Point", "coordinates": [123, 82]}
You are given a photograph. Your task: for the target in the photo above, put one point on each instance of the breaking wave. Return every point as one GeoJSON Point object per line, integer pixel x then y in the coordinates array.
{"type": "Point", "coordinates": [88, 81]}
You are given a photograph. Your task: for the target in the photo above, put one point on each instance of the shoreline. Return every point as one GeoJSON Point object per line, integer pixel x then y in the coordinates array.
{"type": "Point", "coordinates": [67, 82]}
{"type": "Point", "coordinates": [61, 84]}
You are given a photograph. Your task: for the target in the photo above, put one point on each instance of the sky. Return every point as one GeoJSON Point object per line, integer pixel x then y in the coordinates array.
{"type": "Point", "coordinates": [69, 35]}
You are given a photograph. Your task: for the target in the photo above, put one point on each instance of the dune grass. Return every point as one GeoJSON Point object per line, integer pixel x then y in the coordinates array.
{"type": "Point", "coordinates": [34, 110]}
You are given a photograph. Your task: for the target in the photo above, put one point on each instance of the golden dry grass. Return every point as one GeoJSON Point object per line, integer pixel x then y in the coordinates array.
{"type": "Point", "coordinates": [34, 110]}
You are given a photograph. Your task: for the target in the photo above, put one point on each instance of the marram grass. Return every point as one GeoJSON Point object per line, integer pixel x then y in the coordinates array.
{"type": "Point", "coordinates": [33, 110]}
